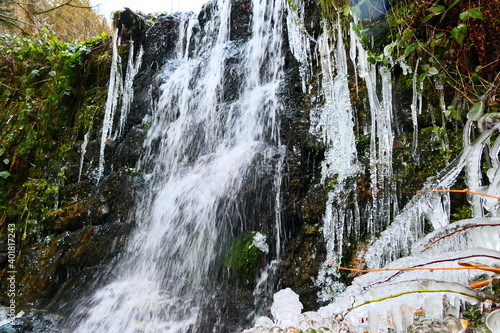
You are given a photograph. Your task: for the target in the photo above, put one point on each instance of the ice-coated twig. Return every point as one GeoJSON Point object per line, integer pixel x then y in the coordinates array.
{"type": "Point", "coordinates": [415, 292]}
{"type": "Point", "coordinates": [456, 231]}
{"type": "Point", "coordinates": [418, 268]}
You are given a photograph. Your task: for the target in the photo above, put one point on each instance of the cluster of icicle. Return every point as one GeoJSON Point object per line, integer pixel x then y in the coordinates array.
{"type": "Point", "coordinates": [395, 300]}
{"type": "Point", "coordinates": [120, 95]}
{"type": "Point", "coordinates": [333, 122]}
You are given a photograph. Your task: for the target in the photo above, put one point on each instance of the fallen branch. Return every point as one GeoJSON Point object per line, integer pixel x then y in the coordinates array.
{"type": "Point", "coordinates": [495, 270]}
{"type": "Point", "coordinates": [480, 284]}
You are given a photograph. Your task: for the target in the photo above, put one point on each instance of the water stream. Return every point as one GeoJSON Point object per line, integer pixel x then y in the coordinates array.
{"type": "Point", "coordinates": [201, 153]}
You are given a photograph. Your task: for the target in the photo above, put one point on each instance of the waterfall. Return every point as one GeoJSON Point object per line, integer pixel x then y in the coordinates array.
{"type": "Point", "coordinates": [204, 149]}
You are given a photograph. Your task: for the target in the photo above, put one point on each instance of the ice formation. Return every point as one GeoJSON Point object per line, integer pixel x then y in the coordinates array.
{"type": "Point", "coordinates": [440, 262]}
{"type": "Point", "coordinates": [120, 92]}
{"type": "Point", "coordinates": [286, 308]}
{"type": "Point", "coordinates": [259, 241]}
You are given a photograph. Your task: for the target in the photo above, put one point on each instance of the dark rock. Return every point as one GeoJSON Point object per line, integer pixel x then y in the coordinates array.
{"type": "Point", "coordinates": [160, 41]}
{"type": "Point", "coordinates": [241, 12]}
{"type": "Point", "coordinates": [34, 321]}
{"type": "Point", "coordinates": [60, 259]}
{"type": "Point", "coordinates": [300, 265]}
{"type": "Point", "coordinates": [130, 25]}
{"type": "Point", "coordinates": [70, 217]}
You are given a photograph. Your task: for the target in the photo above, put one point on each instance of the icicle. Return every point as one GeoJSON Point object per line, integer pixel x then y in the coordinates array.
{"type": "Point", "coordinates": [299, 40]}
{"type": "Point", "coordinates": [334, 122]}
{"type": "Point", "coordinates": [493, 174]}
{"type": "Point", "coordinates": [120, 93]}
{"type": "Point", "coordinates": [133, 66]}
{"type": "Point", "coordinates": [461, 235]}
{"type": "Point", "coordinates": [407, 227]}
{"type": "Point", "coordinates": [82, 154]}
{"type": "Point", "coordinates": [381, 135]}
{"type": "Point", "coordinates": [396, 313]}
{"type": "Point", "coordinates": [286, 308]}
{"type": "Point", "coordinates": [335, 125]}
{"type": "Point", "coordinates": [473, 170]}
{"type": "Point", "coordinates": [114, 88]}
{"type": "Point", "coordinates": [416, 110]}
{"type": "Point", "coordinates": [353, 53]}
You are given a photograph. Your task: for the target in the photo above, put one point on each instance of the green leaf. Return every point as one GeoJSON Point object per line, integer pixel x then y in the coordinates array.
{"type": "Point", "coordinates": [346, 10]}
{"type": "Point", "coordinates": [38, 162]}
{"type": "Point", "coordinates": [464, 15]}
{"type": "Point", "coordinates": [432, 71]}
{"type": "Point", "coordinates": [476, 111]}
{"type": "Point", "coordinates": [6, 161]}
{"type": "Point", "coordinates": [29, 92]}
{"type": "Point", "coordinates": [50, 130]}
{"type": "Point", "coordinates": [427, 18]}
{"type": "Point", "coordinates": [410, 48]}
{"type": "Point", "coordinates": [474, 13]}
{"type": "Point", "coordinates": [459, 32]}
{"type": "Point", "coordinates": [4, 174]}
{"type": "Point", "coordinates": [436, 10]}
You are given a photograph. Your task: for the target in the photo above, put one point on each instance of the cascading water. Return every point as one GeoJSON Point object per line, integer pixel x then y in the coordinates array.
{"type": "Point", "coordinates": [202, 153]}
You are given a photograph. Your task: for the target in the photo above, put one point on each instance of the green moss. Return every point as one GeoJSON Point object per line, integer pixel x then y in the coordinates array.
{"type": "Point", "coordinates": [461, 213]}
{"type": "Point", "coordinates": [244, 255]}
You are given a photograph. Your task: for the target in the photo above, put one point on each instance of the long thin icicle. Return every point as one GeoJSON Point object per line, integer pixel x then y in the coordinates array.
{"type": "Point", "coordinates": [120, 93]}
{"type": "Point", "coordinates": [114, 88]}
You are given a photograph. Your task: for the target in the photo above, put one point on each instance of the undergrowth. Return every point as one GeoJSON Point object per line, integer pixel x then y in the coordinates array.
{"type": "Point", "coordinates": [50, 93]}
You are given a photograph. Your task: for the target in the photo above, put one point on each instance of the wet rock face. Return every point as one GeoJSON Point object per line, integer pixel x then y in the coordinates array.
{"type": "Point", "coordinates": [304, 198]}
{"type": "Point", "coordinates": [160, 41]}
{"type": "Point", "coordinates": [300, 265]}
{"type": "Point", "coordinates": [47, 271]}
{"type": "Point", "coordinates": [61, 256]}
{"type": "Point", "coordinates": [241, 12]}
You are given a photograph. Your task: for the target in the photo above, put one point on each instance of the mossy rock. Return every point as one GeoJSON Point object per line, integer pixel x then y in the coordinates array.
{"type": "Point", "coordinates": [244, 255]}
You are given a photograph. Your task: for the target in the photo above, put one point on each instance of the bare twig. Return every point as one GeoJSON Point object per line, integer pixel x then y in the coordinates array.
{"type": "Point", "coordinates": [430, 263]}
{"type": "Point", "coordinates": [62, 5]}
